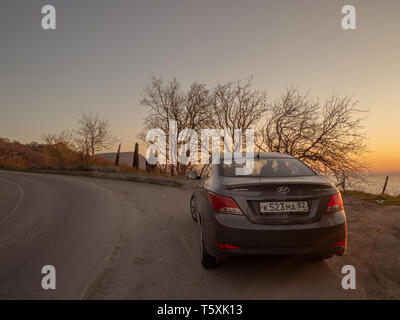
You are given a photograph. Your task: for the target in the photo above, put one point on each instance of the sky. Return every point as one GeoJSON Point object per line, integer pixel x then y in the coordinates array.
{"type": "Point", "coordinates": [102, 54]}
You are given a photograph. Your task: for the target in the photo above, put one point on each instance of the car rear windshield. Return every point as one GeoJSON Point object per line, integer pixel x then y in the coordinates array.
{"type": "Point", "coordinates": [271, 167]}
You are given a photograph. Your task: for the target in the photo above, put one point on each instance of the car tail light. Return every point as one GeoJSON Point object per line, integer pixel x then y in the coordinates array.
{"type": "Point", "coordinates": [224, 204]}
{"type": "Point", "coordinates": [225, 246]}
{"type": "Point", "coordinates": [340, 243]}
{"type": "Point", "coordinates": [335, 203]}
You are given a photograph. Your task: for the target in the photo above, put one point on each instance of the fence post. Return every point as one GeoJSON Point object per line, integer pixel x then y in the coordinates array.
{"type": "Point", "coordinates": [344, 182]}
{"type": "Point", "coordinates": [384, 186]}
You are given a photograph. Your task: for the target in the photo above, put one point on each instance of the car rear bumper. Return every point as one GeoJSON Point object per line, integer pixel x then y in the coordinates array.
{"type": "Point", "coordinates": [322, 252]}
{"type": "Point", "coordinates": [324, 237]}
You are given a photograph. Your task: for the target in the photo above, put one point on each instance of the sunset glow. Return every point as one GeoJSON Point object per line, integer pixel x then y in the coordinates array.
{"type": "Point", "coordinates": [101, 62]}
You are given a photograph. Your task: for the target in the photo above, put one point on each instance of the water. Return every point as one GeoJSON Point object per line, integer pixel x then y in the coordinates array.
{"type": "Point", "coordinates": [374, 183]}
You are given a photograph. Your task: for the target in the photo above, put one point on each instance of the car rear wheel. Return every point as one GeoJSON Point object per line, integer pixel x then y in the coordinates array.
{"type": "Point", "coordinates": [322, 257]}
{"type": "Point", "coordinates": [193, 208]}
{"type": "Point", "coordinates": [207, 260]}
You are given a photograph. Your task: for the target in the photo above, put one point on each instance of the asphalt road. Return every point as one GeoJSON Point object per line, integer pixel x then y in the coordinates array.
{"type": "Point", "coordinates": [111, 239]}
{"type": "Point", "coordinates": [66, 222]}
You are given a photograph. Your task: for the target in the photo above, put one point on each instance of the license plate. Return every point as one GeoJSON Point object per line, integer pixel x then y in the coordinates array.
{"type": "Point", "coordinates": [283, 207]}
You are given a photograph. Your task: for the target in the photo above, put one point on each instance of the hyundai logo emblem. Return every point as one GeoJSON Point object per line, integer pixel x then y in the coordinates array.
{"type": "Point", "coordinates": [283, 189]}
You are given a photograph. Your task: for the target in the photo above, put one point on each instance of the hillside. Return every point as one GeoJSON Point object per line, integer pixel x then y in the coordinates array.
{"type": "Point", "coordinates": [15, 155]}
{"type": "Point", "coordinates": [19, 156]}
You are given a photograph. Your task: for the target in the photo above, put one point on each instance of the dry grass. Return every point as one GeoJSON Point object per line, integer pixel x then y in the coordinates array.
{"type": "Point", "coordinates": [380, 199]}
{"type": "Point", "coordinates": [14, 155]}
{"type": "Point", "coordinates": [17, 156]}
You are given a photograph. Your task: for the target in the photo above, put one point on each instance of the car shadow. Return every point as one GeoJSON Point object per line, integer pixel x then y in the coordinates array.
{"type": "Point", "coordinates": [262, 277]}
{"type": "Point", "coordinates": [278, 277]}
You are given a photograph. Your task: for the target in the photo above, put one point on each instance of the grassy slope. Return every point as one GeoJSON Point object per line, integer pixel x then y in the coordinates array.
{"type": "Point", "coordinates": [386, 199]}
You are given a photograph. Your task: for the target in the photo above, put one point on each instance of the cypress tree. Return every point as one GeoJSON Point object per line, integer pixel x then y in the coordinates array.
{"type": "Point", "coordinates": [135, 162]}
{"type": "Point", "coordinates": [116, 163]}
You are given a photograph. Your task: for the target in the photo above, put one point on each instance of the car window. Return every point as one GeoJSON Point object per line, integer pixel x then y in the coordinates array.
{"type": "Point", "coordinates": [272, 167]}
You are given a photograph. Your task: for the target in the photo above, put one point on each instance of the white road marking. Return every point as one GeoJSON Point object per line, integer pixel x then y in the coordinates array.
{"type": "Point", "coordinates": [21, 195]}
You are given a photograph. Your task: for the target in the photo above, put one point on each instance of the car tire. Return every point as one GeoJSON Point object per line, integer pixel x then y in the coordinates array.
{"type": "Point", "coordinates": [322, 257]}
{"type": "Point", "coordinates": [193, 208]}
{"type": "Point", "coordinates": [207, 260]}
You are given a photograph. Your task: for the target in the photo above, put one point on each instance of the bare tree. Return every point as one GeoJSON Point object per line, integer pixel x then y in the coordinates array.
{"type": "Point", "coordinates": [236, 105]}
{"type": "Point", "coordinates": [167, 102]}
{"type": "Point", "coordinates": [93, 135]}
{"type": "Point", "coordinates": [61, 147]}
{"type": "Point", "coordinates": [64, 137]}
{"type": "Point", "coordinates": [328, 136]}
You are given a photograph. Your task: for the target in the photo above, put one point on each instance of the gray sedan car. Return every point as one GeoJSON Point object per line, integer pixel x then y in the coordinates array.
{"type": "Point", "coordinates": [282, 208]}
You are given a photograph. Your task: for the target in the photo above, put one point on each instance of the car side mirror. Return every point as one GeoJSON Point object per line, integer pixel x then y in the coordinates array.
{"type": "Point", "coordinates": [192, 175]}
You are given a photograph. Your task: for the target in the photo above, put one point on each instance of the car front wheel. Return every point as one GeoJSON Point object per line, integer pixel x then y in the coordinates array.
{"type": "Point", "coordinates": [193, 208]}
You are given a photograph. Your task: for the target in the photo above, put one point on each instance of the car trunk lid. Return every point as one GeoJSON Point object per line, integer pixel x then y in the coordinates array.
{"type": "Point", "coordinates": [253, 192]}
